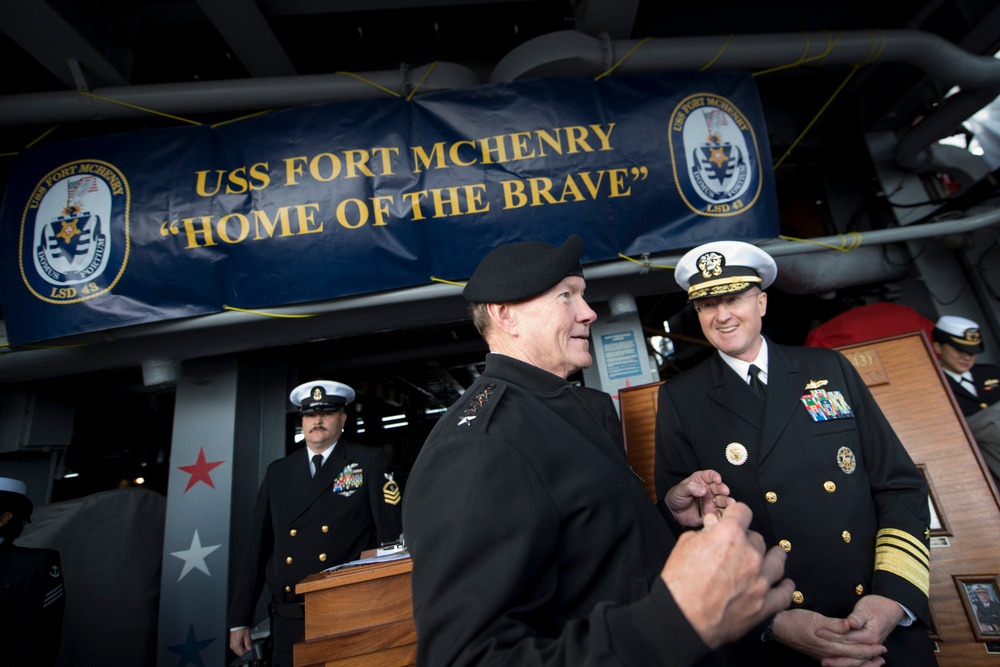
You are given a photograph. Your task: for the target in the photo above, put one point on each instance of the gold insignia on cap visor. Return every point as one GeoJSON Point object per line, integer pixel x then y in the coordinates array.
{"type": "Point", "coordinates": [971, 337]}
{"type": "Point", "coordinates": [736, 453]}
{"type": "Point", "coordinates": [317, 393]}
{"type": "Point", "coordinates": [710, 264]}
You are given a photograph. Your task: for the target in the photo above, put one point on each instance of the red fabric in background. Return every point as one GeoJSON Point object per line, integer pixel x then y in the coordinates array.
{"type": "Point", "coordinates": [871, 322]}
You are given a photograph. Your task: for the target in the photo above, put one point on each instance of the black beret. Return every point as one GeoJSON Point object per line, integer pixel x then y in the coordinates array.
{"type": "Point", "coordinates": [518, 271]}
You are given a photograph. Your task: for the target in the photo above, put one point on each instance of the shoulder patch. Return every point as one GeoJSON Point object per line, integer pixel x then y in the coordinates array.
{"type": "Point", "coordinates": [477, 411]}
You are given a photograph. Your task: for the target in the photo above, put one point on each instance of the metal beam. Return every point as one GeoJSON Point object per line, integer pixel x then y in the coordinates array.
{"type": "Point", "coordinates": [54, 41]}
{"type": "Point", "coordinates": [249, 35]}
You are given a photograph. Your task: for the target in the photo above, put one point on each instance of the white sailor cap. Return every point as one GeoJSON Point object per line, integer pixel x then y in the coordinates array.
{"type": "Point", "coordinates": [724, 267]}
{"type": "Point", "coordinates": [321, 396]}
{"type": "Point", "coordinates": [14, 497]}
{"type": "Point", "coordinates": [959, 332]}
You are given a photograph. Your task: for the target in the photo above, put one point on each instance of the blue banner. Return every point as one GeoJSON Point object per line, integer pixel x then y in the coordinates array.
{"type": "Point", "coordinates": [353, 197]}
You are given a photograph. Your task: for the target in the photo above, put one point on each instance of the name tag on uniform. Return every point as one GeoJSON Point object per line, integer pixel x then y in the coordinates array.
{"type": "Point", "coordinates": [825, 405]}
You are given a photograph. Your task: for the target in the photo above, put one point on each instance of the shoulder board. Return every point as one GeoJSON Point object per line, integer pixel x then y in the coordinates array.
{"type": "Point", "coordinates": [476, 411]}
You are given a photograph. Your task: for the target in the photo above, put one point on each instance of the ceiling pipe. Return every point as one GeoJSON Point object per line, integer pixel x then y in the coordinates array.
{"type": "Point", "coordinates": [226, 96]}
{"type": "Point", "coordinates": [571, 53]}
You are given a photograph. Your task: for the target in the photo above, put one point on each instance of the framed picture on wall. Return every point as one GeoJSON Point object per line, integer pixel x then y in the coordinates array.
{"type": "Point", "coordinates": [939, 525]}
{"type": "Point", "coordinates": [980, 596]}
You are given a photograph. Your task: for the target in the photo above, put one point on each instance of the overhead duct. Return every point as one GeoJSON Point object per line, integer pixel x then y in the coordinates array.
{"type": "Point", "coordinates": [230, 95]}
{"type": "Point", "coordinates": [571, 53]}
{"type": "Point", "coordinates": [828, 272]}
{"type": "Point", "coordinates": [564, 53]}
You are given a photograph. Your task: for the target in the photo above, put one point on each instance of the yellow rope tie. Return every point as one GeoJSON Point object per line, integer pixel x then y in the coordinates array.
{"type": "Point", "coordinates": [446, 282]}
{"type": "Point", "coordinates": [815, 118]}
{"type": "Point", "coordinates": [873, 53]}
{"type": "Point", "coordinates": [236, 120]}
{"type": "Point", "coordinates": [34, 141]}
{"type": "Point", "coordinates": [370, 83]}
{"type": "Point", "coordinates": [718, 55]}
{"type": "Point", "coordinates": [138, 108]}
{"type": "Point", "coordinates": [801, 61]}
{"type": "Point", "coordinates": [850, 241]}
{"type": "Point", "coordinates": [42, 136]}
{"type": "Point", "coordinates": [831, 44]}
{"type": "Point", "coordinates": [259, 312]}
{"type": "Point", "coordinates": [622, 59]}
{"type": "Point", "coordinates": [646, 264]}
{"type": "Point", "coordinates": [421, 82]}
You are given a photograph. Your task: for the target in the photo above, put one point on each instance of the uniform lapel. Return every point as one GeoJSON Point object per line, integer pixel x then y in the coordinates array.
{"type": "Point", "coordinates": [785, 384]}
{"type": "Point", "coordinates": [732, 393]}
{"type": "Point", "coordinates": [323, 481]}
{"type": "Point", "coordinates": [959, 388]}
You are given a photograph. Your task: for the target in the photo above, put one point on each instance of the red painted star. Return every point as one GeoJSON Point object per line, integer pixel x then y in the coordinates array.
{"type": "Point", "coordinates": [200, 470]}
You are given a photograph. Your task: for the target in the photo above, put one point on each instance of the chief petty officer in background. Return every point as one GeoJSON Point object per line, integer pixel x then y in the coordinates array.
{"type": "Point", "coordinates": [957, 341]}
{"type": "Point", "coordinates": [316, 508]}
{"type": "Point", "coordinates": [798, 437]}
{"type": "Point", "coordinates": [32, 599]}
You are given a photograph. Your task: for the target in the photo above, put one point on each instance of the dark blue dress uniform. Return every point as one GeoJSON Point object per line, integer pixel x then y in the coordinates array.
{"type": "Point", "coordinates": [826, 478]}
{"type": "Point", "coordinates": [303, 525]}
{"type": "Point", "coordinates": [32, 602]}
{"type": "Point", "coordinates": [986, 380]}
{"type": "Point", "coordinates": [533, 542]}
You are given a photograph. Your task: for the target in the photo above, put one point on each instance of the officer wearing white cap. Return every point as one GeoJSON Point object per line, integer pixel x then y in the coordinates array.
{"type": "Point", "coordinates": [957, 341]}
{"type": "Point", "coordinates": [32, 598]}
{"type": "Point", "coordinates": [798, 437]}
{"type": "Point", "coordinates": [317, 507]}
{"type": "Point", "coordinates": [533, 542]}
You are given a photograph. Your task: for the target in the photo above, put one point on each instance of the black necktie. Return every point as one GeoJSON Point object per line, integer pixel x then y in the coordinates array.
{"type": "Point", "coordinates": [317, 463]}
{"type": "Point", "coordinates": [755, 382]}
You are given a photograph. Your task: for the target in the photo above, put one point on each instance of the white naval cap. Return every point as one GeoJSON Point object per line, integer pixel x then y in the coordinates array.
{"type": "Point", "coordinates": [959, 332]}
{"type": "Point", "coordinates": [321, 396]}
{"type": "Point", "coordinates": [724, 267]}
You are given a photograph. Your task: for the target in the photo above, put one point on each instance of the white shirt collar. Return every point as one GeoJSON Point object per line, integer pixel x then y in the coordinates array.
{"type": "Point", "coordinates": [741, 367]}
{"type": "Point", "coordinates": [326, 453]}
{"type": "Point", "coordinates": [958, 377]}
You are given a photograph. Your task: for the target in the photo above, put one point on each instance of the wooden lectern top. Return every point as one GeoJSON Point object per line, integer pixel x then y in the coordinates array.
{"type": "Point", "coordinates": [359, 616]}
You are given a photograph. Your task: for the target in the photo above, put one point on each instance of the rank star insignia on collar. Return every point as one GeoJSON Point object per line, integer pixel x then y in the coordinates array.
{"type": "Point", "coordinates": [466, 420]}
{"type": "Point", "coordinates": [816, 384]}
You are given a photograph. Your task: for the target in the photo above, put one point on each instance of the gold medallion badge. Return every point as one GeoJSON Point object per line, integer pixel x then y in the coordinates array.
{"type": "Point", "coordinates": [736, 453]}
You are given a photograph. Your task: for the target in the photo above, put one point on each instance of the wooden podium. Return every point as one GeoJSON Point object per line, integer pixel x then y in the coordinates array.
{"type": "Point", "coordinates": [908, 385]}
{"type": "Point", "coordinates": [358, 616]}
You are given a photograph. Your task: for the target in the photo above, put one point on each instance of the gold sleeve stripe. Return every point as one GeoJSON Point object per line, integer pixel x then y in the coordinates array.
{"type": "Point", "coordinates": [892, 561]}
{"type": "Point", "coordinates": [906, 547]}
{"type": "Point", "coordinates": [918, 543]}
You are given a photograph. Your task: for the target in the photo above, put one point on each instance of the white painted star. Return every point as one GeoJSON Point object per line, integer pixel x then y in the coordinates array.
{"type": "Point", "coordinates": [194, 558]}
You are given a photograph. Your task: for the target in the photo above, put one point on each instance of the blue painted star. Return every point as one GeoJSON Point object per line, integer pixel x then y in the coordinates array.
{"type": "Point", "coordinates": [191, 649]}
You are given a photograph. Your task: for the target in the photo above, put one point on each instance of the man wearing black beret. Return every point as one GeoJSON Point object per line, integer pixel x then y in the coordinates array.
{"type": "Point", "coordinates": [32, 598]}
{"type": "Point", "coordinates": [533, 542]}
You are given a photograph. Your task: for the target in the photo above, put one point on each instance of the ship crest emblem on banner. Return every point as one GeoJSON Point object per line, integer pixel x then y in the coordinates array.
{"type": "Point", "coordinates": [74, 233]}
{"type": "Point", "coordinates": [715, 150]}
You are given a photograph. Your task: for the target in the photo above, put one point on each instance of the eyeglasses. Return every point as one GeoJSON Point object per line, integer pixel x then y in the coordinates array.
{"type": "Point", "coordinates": [712, 305]}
